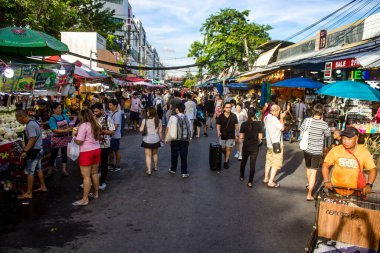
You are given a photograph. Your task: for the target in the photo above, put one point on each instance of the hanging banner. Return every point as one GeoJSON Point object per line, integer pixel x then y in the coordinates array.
{"type": "Point", "coordinates": [45, 79]}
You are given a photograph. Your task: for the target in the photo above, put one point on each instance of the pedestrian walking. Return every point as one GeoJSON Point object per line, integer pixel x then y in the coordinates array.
{"type": "Point", "coordinates": [87, 137]}
{"type": "Point", "coordinates": [179, 146]}
{"type": "Point", "coordinates": [317, 130]}
{"type": "Point", "coordinates": [251, 135]}
{"type": "Point", "coordinates": [59, 124]}
{"type": "Point", "coordinates": [191, 112]}
{"type": "Point", "coordinates": [226, 128]}
{"type": "Point", "coordinates": [201, 119]}
{"type": "Point", "coordinates": [108, 129]}
{"type": "Point", "coordinates": [115, 139]}
{"type": "Point", "coordinates": [32, 153]}
{"type": "Point", "coordinates": [242, 117]}
{"type": "Point", "coordinates": [151, 129]}
{"type": "Point", "coordinates": [210, 110]}
{"type": "Point", "coordinates": [136, 105]}
{"type": "Point", "coordinates": [275, 145]}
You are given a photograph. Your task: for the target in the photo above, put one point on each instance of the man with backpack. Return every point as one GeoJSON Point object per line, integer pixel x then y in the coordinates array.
{"type": "Point", "coordinates": [190, 112]}
{"type": "Point", "coordinates": [108, 129]}
{"type": "Point", "coordinates": [158, 103]}
{"type": "Point", "coordinates": [179, 145]}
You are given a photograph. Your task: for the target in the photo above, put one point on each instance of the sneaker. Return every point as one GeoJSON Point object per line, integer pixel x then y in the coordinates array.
{"type": "Point", "coordinates": [115, 169]}
{"type": "Point", "coordinates": [226, 165]}
{"type": "Point", "coordinates": [237, 155]}
{"type": "Point", "coordinates": [171, 171]}
{"type": "Point", "coordinates": [103, 186]}
{"type": "Point", "coordinates": [240, 157]}
{"type": "Point", "coordinates": [185, 175]}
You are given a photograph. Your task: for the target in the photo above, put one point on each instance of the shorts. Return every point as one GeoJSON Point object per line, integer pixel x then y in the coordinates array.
{"type": "Point", "coordinates": [199, 123]}
{"type": "Point", "coordinates": [115, 144]}
{"type": "Point", "coordinates": [312, 161]}
{"type": "Point", "coordinates": [89, 158]}
{"type": "Point", "coordinates": [134, 116]}
{"type": "Point", "coordinates": [227, 143]}
{"type": "Point", "coordinates": [273, 159]}
{"type": "Point", "coordinates": [34, 164]}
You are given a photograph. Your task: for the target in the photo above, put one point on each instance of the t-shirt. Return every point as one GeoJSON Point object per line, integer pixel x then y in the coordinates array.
{"type": "Point", "coordinates": [210, 106]}
{"type": "Point", "coordinates": [190, 109]}
{"type": "Point", "coordinates": [201, 112]}
{"type": "Point", "coordinates": [135, 103]}
{"type": "Point", "coordinates": [54, 118]}
{"type": "Point", "coordinates": [318, 130]}
{"type": "Point", "coordinates": [85, 134]}
{"type": "Point", "coordinates": [346, 169]}
{"type": "Point", "coordinates": [33, 130]}
{"type": "Point", "coordinates": [227, 125]}
{"type": "Point", "coordinates": [116, 117]}
{"type": "Point", "coordinates": [300, 110]}
{"type": "Point", "coordinates": [251, 134]}
{"type": "Point", "coordinates": [105, 140]}
{"type": "Point", "coordinates": [273, 132]}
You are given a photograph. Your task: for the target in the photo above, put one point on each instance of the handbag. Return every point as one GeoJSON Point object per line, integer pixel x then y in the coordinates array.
{"type": "Point", "coordinates": [362, 181]}
{"type": "Point", "coordinates": [305, 137]}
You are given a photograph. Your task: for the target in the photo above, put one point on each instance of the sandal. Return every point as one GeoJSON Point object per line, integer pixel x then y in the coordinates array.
{"type": "Point", "coordinates": [155, 169]}
{"type": "Point", "coordinates": [40, 190]}
{"type": "Point", "coordinates": [80, 203]}
{"type": "Point", "coordinates": [276, 185]}
{"type": "Point", "coordinates": [92, 195]}
{"type": "Point", "coordinates": [265, 182]}
{"type": "Point", "coordinates": [312, 199]}
{"type": "Point", "coordinates": [148, 173]}
{"type": "Point", "coordinates": [249, 184]}
{"type": "Point", "coordinates": [242, 179]}
{"type": "Point", "coordinates": [25, 196]}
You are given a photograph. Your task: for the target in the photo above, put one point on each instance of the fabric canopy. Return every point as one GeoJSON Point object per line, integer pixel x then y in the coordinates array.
{"type": "Point", "coordinates": [350, 89]}
{"type": "Point", "coordinates": [299, 82]}
{"type": "Point", "coordinates": [237, 86]}
{"type": "Point", "coordinates": [135, 79]}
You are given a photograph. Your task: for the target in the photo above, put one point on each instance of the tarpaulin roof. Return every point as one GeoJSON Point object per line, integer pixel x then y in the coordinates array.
{"type": "Point", "coordinates": [135, 79]}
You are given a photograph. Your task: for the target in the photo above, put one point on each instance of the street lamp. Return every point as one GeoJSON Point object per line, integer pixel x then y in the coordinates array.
{"type": "Point", "coordinates": [92, 52]}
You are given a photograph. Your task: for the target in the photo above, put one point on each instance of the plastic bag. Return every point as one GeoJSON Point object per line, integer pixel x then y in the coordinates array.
{"type": "Point", "coordinates": [73, 150]}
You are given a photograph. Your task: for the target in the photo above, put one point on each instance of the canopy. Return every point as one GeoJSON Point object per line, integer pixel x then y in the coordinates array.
{"type": "Point", "coordinates": [82, 71]}
{"type": "Point", "coordinates": [299, 82]}
{"type": "Point", "coordinates": [135, 79]}
{"type": "Point", "coordinates": [243, 86]}
{"type": "Point", "coordinates": [350, 89]}
{"type": "Point", "coordinates": [23, 41]}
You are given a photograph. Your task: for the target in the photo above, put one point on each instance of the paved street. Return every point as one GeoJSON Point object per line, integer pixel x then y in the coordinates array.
{"type": "Point", "coordinates": [207, 212]}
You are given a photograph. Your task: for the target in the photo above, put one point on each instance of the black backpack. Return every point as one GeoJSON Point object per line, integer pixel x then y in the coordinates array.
{"type": "Point", "coordinates": [183, 129]}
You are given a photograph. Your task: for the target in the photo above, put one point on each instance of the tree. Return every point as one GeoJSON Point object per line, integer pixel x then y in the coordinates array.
{"type": "Point", "coordinates": [189, 83]}
{"type": "Point", "coordinates": [230, 40]}
{"type": "Point", "coordinates": [54, 16]}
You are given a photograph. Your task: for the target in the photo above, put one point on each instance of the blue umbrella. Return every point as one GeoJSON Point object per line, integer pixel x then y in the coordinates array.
{"type": "Point", "coordinates": [350, 89]}
{"type": "Point", "coordinates": [299, 82]}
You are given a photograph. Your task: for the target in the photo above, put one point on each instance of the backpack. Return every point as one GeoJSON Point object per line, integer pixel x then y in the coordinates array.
{"type": "Point", "coordinates": [183, 129]}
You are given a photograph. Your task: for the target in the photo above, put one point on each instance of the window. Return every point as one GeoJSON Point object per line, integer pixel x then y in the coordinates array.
{"type": "Point", "coordinates": [115, 1]}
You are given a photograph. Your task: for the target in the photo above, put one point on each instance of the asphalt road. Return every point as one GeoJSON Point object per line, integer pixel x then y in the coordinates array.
{"type": "Point", "coordinates": [208, 212]}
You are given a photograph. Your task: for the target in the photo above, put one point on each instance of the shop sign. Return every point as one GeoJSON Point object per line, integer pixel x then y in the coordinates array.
{"type": "Point", "coordinates": [346, 63]}
{"type": "Point", "coordinates": [360, 75]}
{"type": "Point", "coordinates": [322, 39]}
{"type": "Point", "coordinates": [328, 70]}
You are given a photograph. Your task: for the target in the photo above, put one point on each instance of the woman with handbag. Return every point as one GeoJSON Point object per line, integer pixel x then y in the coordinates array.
{"type": "Point", "coordinates": [151, 129]}
{"type": "Point", "coordinates": [59, 124]}
{"type": "Point", "coordinates": [87, 138]}
{"type": "Point", "coordinates": [313, 132]}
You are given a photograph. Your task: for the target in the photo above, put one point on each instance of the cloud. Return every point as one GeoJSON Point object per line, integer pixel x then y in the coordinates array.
{"type": "Point", "coordinates": [174, 25]}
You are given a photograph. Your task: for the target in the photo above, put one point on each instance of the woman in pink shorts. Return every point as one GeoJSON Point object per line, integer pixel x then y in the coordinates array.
{"type": "Point", "coordinates": [89, 158]}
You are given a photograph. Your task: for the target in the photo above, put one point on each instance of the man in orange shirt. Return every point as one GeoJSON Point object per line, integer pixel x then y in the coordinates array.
{"type": "Point", "coordinates": [345, 159]}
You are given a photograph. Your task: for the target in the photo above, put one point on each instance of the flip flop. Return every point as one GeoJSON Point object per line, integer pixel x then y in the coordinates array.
{"type": "Point", "coordinates": [24, 197]}
{"type": "Point", "coordinates": [277, 185]}
{"type": "Point", "coordinates": [92, 195]}
{"type": "Point", "coordinates": [265, 182]}
{"type": "Point", "coordinates": [79, 203]}
{"type": "Point", "coordinates": [312, 199]}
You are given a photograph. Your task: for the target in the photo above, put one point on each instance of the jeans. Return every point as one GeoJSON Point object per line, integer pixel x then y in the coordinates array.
{"type": "Point", "coordinates": [179, 148]}
{"type": "Point", "coordinates": [252, 157]}
{"type": "Point", "coordinates": [104, 152]}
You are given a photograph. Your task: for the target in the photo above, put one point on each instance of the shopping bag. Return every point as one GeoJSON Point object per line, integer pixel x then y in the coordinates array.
{"type": "Point", "coordinates": [73, 150]}
{"type": "Point", "coordinates": [172, 132]}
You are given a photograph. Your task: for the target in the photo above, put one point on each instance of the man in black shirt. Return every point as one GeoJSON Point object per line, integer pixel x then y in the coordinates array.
{"type": "Point", "coordinates": [226, 127]}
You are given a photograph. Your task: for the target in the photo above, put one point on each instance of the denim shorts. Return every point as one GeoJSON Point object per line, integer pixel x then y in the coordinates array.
{"type": "Point", "coordinates": [226, 143]}
{"type": "Point", "coordinates": [34, 164]}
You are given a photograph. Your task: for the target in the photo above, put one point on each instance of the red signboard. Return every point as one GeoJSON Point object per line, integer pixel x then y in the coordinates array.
{"type": "Point", "coordinates": [328, 70]}
{"type": "Point", "coordinates": [346, 63]}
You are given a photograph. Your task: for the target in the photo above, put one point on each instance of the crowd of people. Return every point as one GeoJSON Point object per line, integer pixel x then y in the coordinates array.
{"type": "Point", "coordinates": [240, 123]}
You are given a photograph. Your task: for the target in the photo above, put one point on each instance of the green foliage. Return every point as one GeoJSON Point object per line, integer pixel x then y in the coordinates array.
{"type": "Point", "coordinates": [190, 80]}
{"type": "Point", "coordinates": [226, 34]}
{"type": "Point", "coordinates": [55, 16]}
{"type": "Point", "coordinates": [111, 45]}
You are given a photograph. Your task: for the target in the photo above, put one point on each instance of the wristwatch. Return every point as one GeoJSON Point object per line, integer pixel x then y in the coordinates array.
{"type": "Point", "coordinates": [370, 184]}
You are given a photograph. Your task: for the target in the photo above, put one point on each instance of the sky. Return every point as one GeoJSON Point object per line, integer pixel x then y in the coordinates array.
{"type": "Point", "coordinates": [172, 25]}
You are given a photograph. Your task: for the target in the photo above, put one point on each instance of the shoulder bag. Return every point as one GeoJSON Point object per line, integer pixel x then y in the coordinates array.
{"type": "Point", "coordinates": [304, 143]}
{"type": "Point", "coordinates": [362, 182]}
{"type": "Point", "coordinates": [276, 145]}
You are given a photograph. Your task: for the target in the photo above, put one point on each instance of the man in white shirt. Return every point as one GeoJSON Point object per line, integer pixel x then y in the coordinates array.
{"type": "Point", "coordinates": [273, 130]}
{"type": "Point", "coordinates": [190, 112]}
